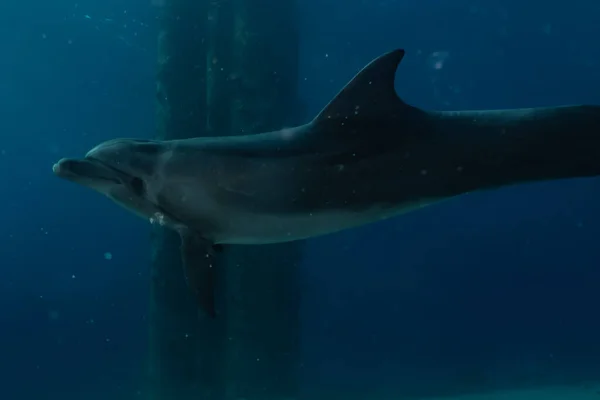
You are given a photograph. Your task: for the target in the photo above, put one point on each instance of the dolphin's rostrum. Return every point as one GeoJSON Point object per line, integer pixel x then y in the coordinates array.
{"type": "Point", "coordinates": [367, 156]}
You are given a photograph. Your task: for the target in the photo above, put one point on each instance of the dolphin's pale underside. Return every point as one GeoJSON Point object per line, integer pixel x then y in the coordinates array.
{"type": "Point", "coordinates": [367, 156]}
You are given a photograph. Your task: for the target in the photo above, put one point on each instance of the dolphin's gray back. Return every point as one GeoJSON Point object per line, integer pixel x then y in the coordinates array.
{"type": "Point", "coordinates": [367, 156]}
{"type": "Point", "coordinates": [345, 159]}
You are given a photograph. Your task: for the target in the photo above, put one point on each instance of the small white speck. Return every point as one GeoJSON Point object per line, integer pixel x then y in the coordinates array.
{"type": "Point", "coordinates": [72, 276]}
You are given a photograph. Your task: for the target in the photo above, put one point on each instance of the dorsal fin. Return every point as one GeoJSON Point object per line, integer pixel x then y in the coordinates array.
{"type": "Point", "coordinates": [371, 92]}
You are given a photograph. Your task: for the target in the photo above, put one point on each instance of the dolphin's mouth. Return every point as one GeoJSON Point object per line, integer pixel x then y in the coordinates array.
{"type": "Point", "coordinates": [88, 168]}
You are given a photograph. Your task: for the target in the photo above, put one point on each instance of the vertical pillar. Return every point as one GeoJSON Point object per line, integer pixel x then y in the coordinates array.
{"type": "Point", "coordinates": [226, 67]}
{"type": "Point", "coordinates": [262, 282]}
{"type": "Point", "coordinates": [185, 349]}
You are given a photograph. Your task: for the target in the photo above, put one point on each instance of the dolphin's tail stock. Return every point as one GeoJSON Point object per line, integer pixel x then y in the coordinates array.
{"type": "Point", "coordinates": [555, 143]}
{"type": "Point", "coordinates": [499, 148]}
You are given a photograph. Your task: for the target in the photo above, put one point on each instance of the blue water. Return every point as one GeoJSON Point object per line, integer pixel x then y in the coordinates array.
{"type": "Point", "coordinates": [490, 290]}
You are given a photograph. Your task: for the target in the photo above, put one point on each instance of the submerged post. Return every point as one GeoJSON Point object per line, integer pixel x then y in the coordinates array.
{"type": "Point", "coordinates": [185, 352]}
{"type": "Point", "coordinates": [263, 286]}
{"type": "Point", "coordinates": [226, 67]}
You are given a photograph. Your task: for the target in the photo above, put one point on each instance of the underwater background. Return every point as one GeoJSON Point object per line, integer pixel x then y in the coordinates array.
{"type": "Point", "coordinates": [487, 291]}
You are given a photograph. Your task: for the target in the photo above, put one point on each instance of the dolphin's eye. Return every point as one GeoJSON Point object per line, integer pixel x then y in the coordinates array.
{"type": "Point", "coordinates": [137, 185]}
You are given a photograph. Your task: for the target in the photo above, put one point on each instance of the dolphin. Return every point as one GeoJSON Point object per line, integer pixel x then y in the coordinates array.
{"type": "Point", "coordinates": [365, 157]}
